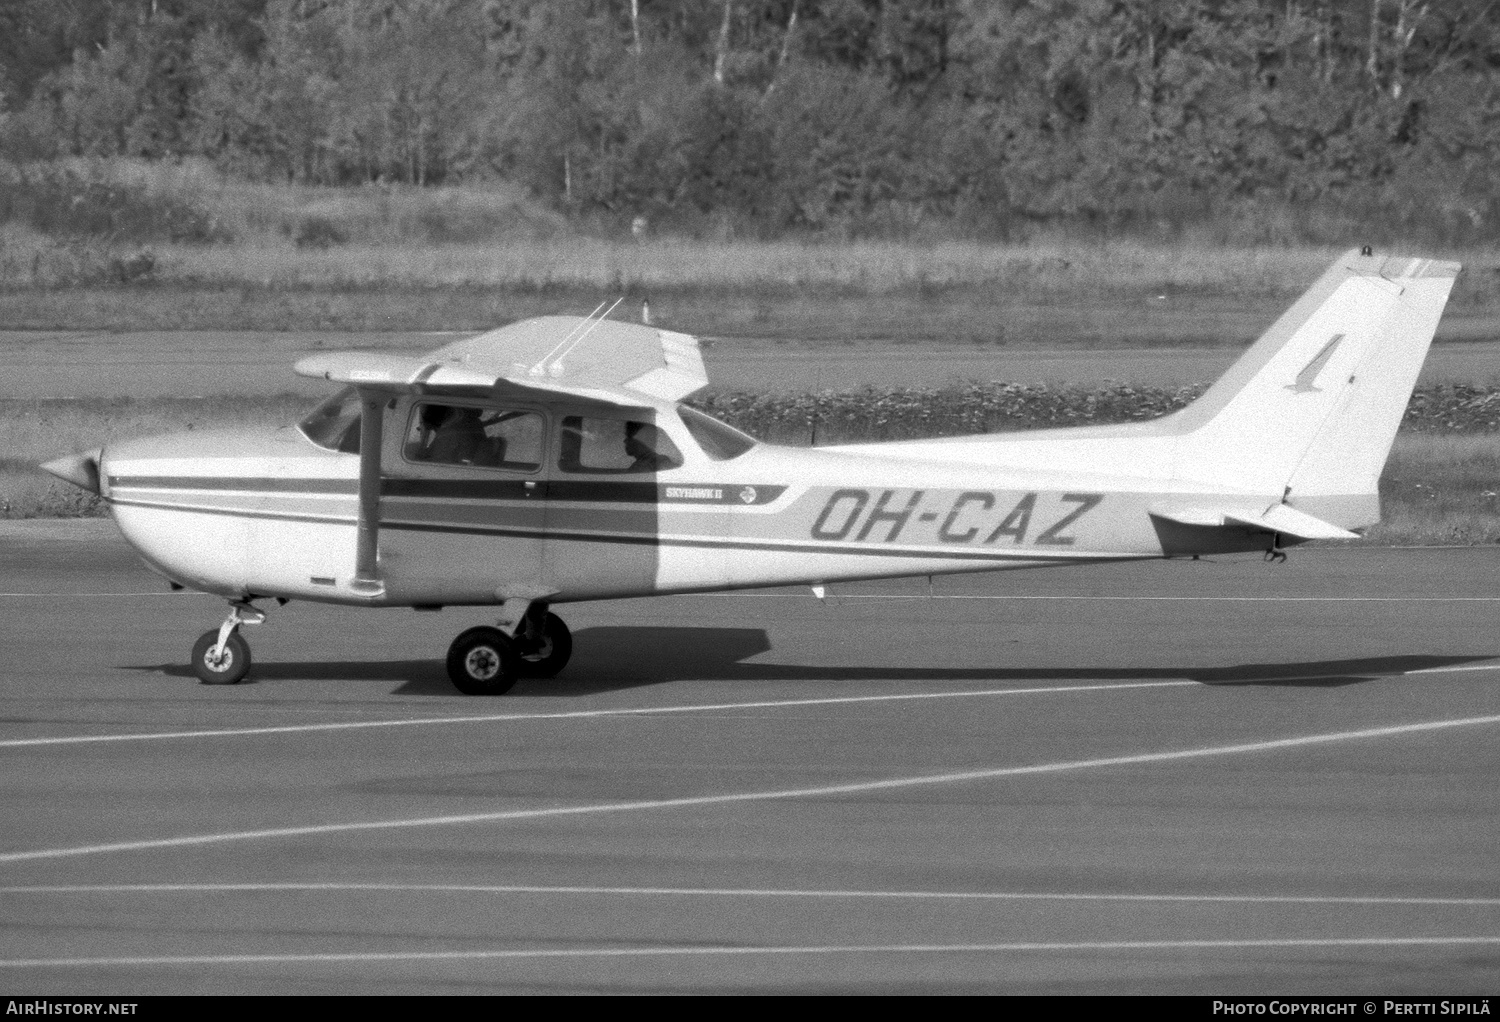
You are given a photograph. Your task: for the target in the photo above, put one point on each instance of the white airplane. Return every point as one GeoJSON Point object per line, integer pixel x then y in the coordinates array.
{"type": "Point", "coordinates": [551, 461]}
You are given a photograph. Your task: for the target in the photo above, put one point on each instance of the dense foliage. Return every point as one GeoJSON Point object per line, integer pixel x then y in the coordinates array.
{"type": "Point", "coordinates": [1252, 120]}
{"type": "Point", "coordinates": [901, 414]}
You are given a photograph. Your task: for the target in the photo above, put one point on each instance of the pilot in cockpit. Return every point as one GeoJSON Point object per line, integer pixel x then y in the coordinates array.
{"type": "Point", "coordinates": [451, 435]}
{"type": "Point", "coordinates": [643, 446]}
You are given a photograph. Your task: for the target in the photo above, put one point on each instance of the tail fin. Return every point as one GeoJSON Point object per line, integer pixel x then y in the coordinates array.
{"type": "Point", "coordinates": [1311, 410]}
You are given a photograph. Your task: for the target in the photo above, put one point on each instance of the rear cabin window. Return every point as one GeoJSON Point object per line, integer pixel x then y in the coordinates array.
{"type": "Point", "coordinates": [334, 424]}
{"type": "Point", "coordinates": [719, 441]}
{"type": "Point", "coordinates": [614, 446]}
{"type": "Point", "coordinates": [441, 434]}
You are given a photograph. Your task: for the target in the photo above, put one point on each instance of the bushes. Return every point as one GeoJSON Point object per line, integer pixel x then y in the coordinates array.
{"type": "Point", "coordinates": [901, 414]}
{"type": "Point", "coordinates": [1456, 408]}
{"type": "Point", "coordinates": [319, 232]}
{"type": "Point", "coordinates": [66, 202]}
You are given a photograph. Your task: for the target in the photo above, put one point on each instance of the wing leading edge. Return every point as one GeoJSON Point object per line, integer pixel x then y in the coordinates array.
{"type": "Point", "coordinates": [619, 363]}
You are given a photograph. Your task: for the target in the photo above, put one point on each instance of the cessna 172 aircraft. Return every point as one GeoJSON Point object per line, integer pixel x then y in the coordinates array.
{"type": "Point", "coordinates": [551, 461]}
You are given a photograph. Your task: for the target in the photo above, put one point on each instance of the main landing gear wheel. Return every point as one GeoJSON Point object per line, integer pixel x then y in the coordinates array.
{"type": "Point", "coordinates": [221, 667]}
{"type": "Point", "coordinates": [550, 650]}
{"type": "Point", "coordinates": [482, 662]}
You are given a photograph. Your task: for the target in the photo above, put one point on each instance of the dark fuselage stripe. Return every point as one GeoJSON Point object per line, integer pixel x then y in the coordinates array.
{"type": "Point", "coordinates": [276, 516]}
{"type": "Point", "coordinates": [236, 484]}
{"type": "Point", "coordinates": [579, 491]}
{"type": "Point", "coordinates": [862, 550]}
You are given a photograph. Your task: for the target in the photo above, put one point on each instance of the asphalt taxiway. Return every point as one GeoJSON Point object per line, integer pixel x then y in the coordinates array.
{"type": "Point", "coordinates": [1215, 777]}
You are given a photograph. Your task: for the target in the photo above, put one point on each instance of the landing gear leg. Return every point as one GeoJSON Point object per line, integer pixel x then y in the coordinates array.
{"type": "Point", "coordinates": [221, 656]}
{"type": "Point", "coordinates": [544, 642]}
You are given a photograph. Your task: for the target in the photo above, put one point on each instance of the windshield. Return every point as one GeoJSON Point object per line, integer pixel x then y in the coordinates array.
{"type": "Point", "coordinates": [334, 424]}
{"type": "Point", "coordinates": [719, 442]}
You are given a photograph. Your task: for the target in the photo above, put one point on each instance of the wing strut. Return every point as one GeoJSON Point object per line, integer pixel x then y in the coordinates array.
{"type": "Point", "coordinates": [367, 538]}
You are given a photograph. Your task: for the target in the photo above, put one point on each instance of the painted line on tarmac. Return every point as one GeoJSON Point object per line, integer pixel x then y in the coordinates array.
{"type": "Point", "coordinates": [732, 951]}
{"type": "Point", "coordinates": [640, 711]}
{"type": "Point", "coordinates": [732, 798]}
{"type": "Point", "coordinates": [744, 892]}
{"type": "Point", "coordinates": [105, 595]}
{"type": "Point", "coordinates": [833, 597]}
{"type": "Point", "coordinates": [1165, 599]}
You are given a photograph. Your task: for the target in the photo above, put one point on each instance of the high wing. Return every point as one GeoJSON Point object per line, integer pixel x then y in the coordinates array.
{"type": "Point", "coordinates": [618, 363]}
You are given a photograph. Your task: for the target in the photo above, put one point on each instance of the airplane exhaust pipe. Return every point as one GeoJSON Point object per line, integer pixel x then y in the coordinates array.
{"type": "Point", "coordinates": [82, 470]}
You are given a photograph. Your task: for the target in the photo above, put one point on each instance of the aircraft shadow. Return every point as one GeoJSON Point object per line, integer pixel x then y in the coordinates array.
{"type": "Point", "coordinates": [615, 658]}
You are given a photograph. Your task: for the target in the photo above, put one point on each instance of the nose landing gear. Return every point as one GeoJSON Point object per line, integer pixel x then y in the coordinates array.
{"type": "Point", "coordinates": [221, 656]}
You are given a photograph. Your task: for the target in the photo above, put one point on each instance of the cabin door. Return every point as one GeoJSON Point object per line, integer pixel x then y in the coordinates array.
{"type": "Point", "coordinates": [463, 509]}
{"type": "Point", "coordinates": [604, 503]}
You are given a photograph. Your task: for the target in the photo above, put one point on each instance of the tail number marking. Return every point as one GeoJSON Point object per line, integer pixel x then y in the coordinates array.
{"type": "Point", "coordinates": [840, 513]}
{"type": "Point", "coordinates": [1086, 502]}
{"type": "Point", "coordinates": [985, 501]}
{"type": "Point", "coordinates": [972, 515]}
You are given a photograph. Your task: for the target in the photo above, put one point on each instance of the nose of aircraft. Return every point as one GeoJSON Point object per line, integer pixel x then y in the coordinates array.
{"type": "Point", "coordinates": [78, 469]}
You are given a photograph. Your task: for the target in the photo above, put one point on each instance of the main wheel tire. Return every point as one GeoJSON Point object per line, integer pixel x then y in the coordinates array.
{"type": "Point", "coordinates": [482, 662]}
{"type": "Point", "coordinates": [551, 656]}
{"type": "Point", "coordinates": [229, 667]}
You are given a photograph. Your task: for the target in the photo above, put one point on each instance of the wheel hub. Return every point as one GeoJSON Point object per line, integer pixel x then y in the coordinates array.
{"type": "Point", "coordinates": [482, 663]}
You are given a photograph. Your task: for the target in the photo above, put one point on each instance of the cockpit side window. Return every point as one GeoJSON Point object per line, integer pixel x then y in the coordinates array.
{"type": "Point", "coordinates": [614, 446]}
{"type": "Point", "coordinates": [719, 441]}
{"type": "Point", "coordinates": [445, 434]}
{"type": "Point", "coordinates": [334, 424]}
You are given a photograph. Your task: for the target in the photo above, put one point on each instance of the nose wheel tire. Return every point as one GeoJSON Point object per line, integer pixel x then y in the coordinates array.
{"type": "Point", "coordinates": [226, 668]}
{"type": "Point", "coordinates": [482, 662]}
{"type": "Point", "coordinates": [550, 655]}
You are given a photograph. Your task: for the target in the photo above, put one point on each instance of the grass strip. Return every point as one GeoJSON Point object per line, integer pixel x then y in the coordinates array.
{"type": "Point", "coordinates": [953, 289]}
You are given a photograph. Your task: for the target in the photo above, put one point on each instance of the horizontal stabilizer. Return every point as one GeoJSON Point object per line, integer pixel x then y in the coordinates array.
{"type": "Point", "coordinates": [1282, 518]}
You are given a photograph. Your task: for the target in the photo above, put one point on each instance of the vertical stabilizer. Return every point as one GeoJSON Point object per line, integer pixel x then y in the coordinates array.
{"type": "Point", "coordinates": [1310, 411]}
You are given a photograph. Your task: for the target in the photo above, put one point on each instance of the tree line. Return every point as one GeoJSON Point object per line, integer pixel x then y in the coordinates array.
{"type": "Point", "coordinates": [992, 117]}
